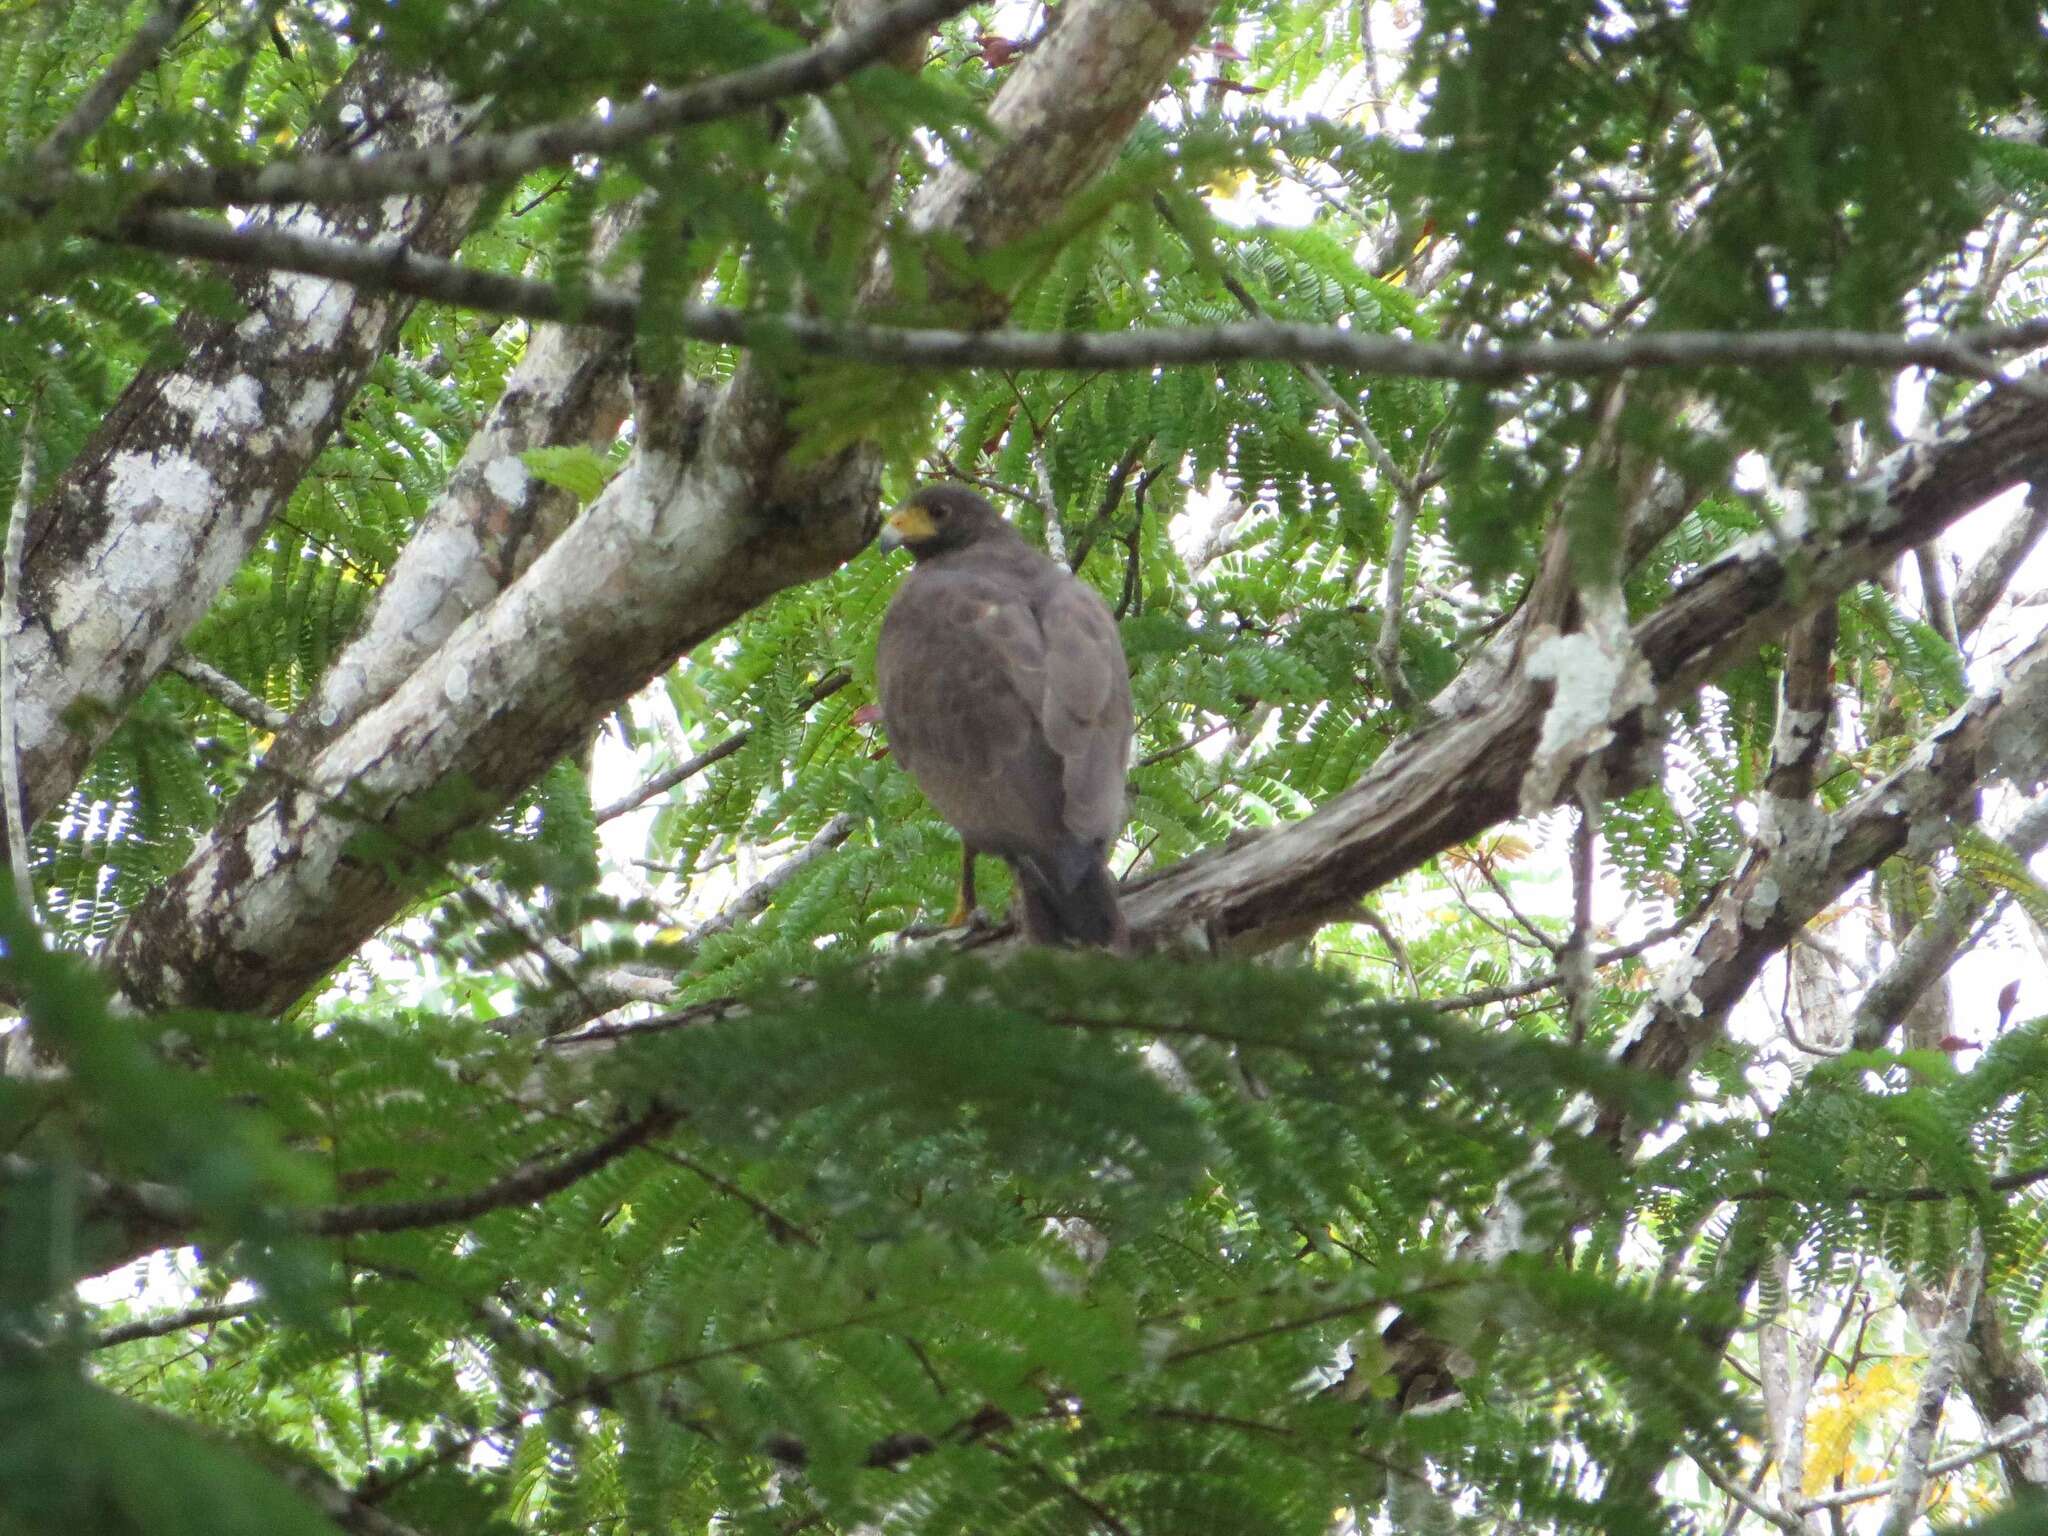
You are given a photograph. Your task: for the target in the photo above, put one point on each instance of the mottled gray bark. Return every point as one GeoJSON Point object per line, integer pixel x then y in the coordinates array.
{"type": "Point", "coordinates": [488, 525]}
{"type": "Point", "coordinates": [161, 508]}
{"type": "Point", "coordinates": [1783, 884]}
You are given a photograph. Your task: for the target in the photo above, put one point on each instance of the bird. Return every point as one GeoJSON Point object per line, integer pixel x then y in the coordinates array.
{"type": "Point", "coordinates": [1005, 693]}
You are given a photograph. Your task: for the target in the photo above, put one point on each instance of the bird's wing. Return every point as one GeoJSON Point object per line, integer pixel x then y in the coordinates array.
{"type": "Point", "coordinates": [1085, 707]}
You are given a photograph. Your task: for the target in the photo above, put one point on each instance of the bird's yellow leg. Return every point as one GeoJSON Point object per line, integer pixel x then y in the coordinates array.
{"type": "Point", "coordinates": [963, 911]}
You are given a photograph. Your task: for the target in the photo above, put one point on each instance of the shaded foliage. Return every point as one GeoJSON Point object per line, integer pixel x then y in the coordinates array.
{"type": "Point", "coordinates": [1061, 1242]}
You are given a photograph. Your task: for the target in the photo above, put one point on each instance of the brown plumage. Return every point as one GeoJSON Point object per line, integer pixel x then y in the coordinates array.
{"type": "Point", "coordinates": [1005, 693]}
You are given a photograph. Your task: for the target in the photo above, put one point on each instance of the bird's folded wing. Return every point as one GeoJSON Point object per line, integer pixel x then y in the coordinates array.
{"type": "Point", "coordinates": [1085, 708]}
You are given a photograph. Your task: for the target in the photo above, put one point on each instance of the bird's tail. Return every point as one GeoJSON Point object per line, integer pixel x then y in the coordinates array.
{"type": "Point", "coordinates": [1078, 909]}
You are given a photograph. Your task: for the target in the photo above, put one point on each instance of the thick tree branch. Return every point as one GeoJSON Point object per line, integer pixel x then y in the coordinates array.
{"type": "Point", "coordinates": [1993, 573]}
{"type": "Point", "coordinates": [488, 524]}
{"type": "Point", "coordinates": [13, 620]}
{"type": "Point", "coordinates": [1784, 883]}
{"type": "Point", "coordinates": [1448, 782]}
{"type": "Point", "coordinates": [166, 501]}
{"type": "Point", "coordinates": [2008, 1386]}
{"type": "Point", "coordinates": [1938, 605]}
{"type": "Point", "coordinates": [345, 1509]}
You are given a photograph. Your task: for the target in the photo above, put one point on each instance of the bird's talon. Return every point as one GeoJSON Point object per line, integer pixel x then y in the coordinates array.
{"type": "Point", "coordinates": [973, 920]}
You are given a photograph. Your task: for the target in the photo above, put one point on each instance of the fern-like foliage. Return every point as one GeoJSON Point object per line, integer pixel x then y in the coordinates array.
{"type": "Point", "coordinates": [819, 1231]}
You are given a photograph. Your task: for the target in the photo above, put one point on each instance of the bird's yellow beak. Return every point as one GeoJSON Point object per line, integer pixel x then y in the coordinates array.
{"type": "Point", "coordinates": [906, 525]}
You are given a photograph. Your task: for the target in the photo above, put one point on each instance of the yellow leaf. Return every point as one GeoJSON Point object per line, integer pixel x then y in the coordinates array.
{"type": "Point", "coordinates": [1843, 1408]}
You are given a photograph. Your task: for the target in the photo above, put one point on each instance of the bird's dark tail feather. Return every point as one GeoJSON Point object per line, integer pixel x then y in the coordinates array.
{"type": "Point", "coordinates": [1081, 910]}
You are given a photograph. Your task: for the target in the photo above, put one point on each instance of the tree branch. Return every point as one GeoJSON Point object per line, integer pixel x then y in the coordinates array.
{"type": "Point", "coordinates": [2012, 1434]}
{"type": "Point", "coordinates": [394, 268]}
{"type": "Point", "coordinates": [169, 496]}
{"type": "Point", "coordinates": [1930, 948]}
{"type": "Point", "coordinates": [2003, 1183]}
{"type": "Point", "coordinates": [97, 104]}
{"type": "Point", "coordinates": [340, 178]}
{"type": "Point", "coordinates": [160, 1215]}
{"type": "Point", "coordinates": [1992, 574]}
{"type": "Point", "coordinates": [523, 1187]}
{"type": "Point", "coordinates": [757, 896]}
{"type": "Point", "coordinates": [1783, 884]}
{"type": "Point", "coordinates": [12, 622]}
{"type": "Point", "coordinates": [1509, 992]}
{"type": "Point", "coordinates": [489, 522]}
{"type": "Point", "coordinates": [229, 694]}
{"type": "Point", "coordinates": [1750, 1500]}
{"type": "Point", "coordinates": [669, 778]}
{"type": "Point", "coordinates": [1939, 1375]}
{"type": "Point", "coordinates": [172, 1322]}
{"type": "Point", "coordinates": [1446, 783]}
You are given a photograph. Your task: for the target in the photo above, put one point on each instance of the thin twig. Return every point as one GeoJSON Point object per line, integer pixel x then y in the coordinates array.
{"type": "Point", "coordinates": [1913, 1194]}
{"type": "Point", "coordinates": [1407, 491]}
{"type": "Point", "coordinates": [173, 1322]}
{"type": "Point", "coordinates": [229, 694]}
{"type": "Point", "coordinates": [524, 1186]}
{"type": "Point", "coordinates": [385, 267]}
{"type": "Point", "coordinates": [1151, 759]}
{"type": "Point", "coordinates": [779, 1226]}
{"type": "Point", "coordinates": [334, 178]}
{"type": "Point", "coordinates": [1112, 493]}
{"type": "Point", "coordinates": [1093, 1508]}
{"type": "Point", "coordinates": [1386, 649]}
{"type": "Point", "coordinates": [1749, 1499]}
{"type": "Point", "coordinates": [1048, 504]}
{"type": "Point", "coordinates": [1522, 919]}
{"type": "Point", "coordinates": [2012, 1434]}
{"type": "Point", "coordinates": [762, 891]}
{"type": "Point", "coordinates": [382, 1484]}
{"type": "Point", "coordinates": [669, 778]}
{"type": "Point", "coordinates": [1488, 996]}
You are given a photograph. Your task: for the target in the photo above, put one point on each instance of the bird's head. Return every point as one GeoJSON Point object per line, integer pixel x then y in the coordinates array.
{"type": "Point", "coordinates": [939, 519]}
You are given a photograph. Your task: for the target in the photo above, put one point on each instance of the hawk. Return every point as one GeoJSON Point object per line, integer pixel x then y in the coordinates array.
{"type": "Point", "coordinates": [1005, 692]}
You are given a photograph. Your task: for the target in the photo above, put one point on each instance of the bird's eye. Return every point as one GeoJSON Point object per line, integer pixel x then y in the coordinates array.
{"type": "Point", "coordinates": [938, 514]}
